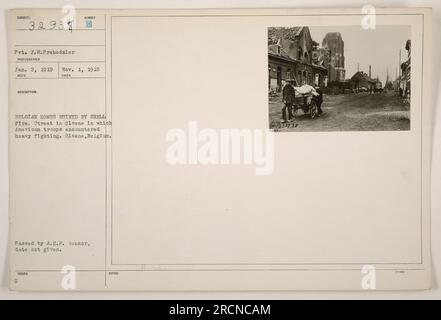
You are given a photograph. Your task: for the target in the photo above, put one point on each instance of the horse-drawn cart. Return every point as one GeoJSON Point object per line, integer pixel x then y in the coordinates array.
{"type": "Point", "coordinates": [309, 100]}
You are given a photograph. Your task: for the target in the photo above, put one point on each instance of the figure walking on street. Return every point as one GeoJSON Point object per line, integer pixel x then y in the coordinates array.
{"type": "Point", "coordinates": [288, 100]}
{"type": "Point", "coordinates": [319, 100]}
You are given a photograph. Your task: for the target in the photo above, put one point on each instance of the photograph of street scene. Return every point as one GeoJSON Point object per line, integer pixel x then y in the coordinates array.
{"type": "Point", "coordinates": [341, 78]}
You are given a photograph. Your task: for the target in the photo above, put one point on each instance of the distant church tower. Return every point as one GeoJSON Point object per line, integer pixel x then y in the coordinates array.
{"type": "Point", "coordinates": [335, 45]}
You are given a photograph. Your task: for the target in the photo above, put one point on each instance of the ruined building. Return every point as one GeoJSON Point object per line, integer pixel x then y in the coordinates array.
{"type": "Point", "coordinates": [335, 46]}
{"type": "Point", "coordinates": [405, 73]}
{"type": "Point", "coordinates": [290, 56]}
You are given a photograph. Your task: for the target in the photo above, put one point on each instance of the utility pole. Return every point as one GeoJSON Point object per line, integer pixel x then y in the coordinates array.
{"type": "Point", "coordinates": [399, 70]}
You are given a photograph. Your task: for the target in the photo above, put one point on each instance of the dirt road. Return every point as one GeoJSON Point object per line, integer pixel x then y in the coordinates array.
{"type": "Point", "coordinates": [348, 112]}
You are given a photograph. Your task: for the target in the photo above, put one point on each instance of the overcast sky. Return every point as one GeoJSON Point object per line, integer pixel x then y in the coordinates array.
{"type": "Point", "coordinates": [379, 48]}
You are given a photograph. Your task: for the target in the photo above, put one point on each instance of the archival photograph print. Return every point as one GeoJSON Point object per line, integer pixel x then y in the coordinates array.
{"type": "Point", "coordinates": [339, 78]}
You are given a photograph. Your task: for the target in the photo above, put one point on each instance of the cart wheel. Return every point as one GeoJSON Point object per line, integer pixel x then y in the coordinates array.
{"type": "Point", "coordinates": [313, 109]}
